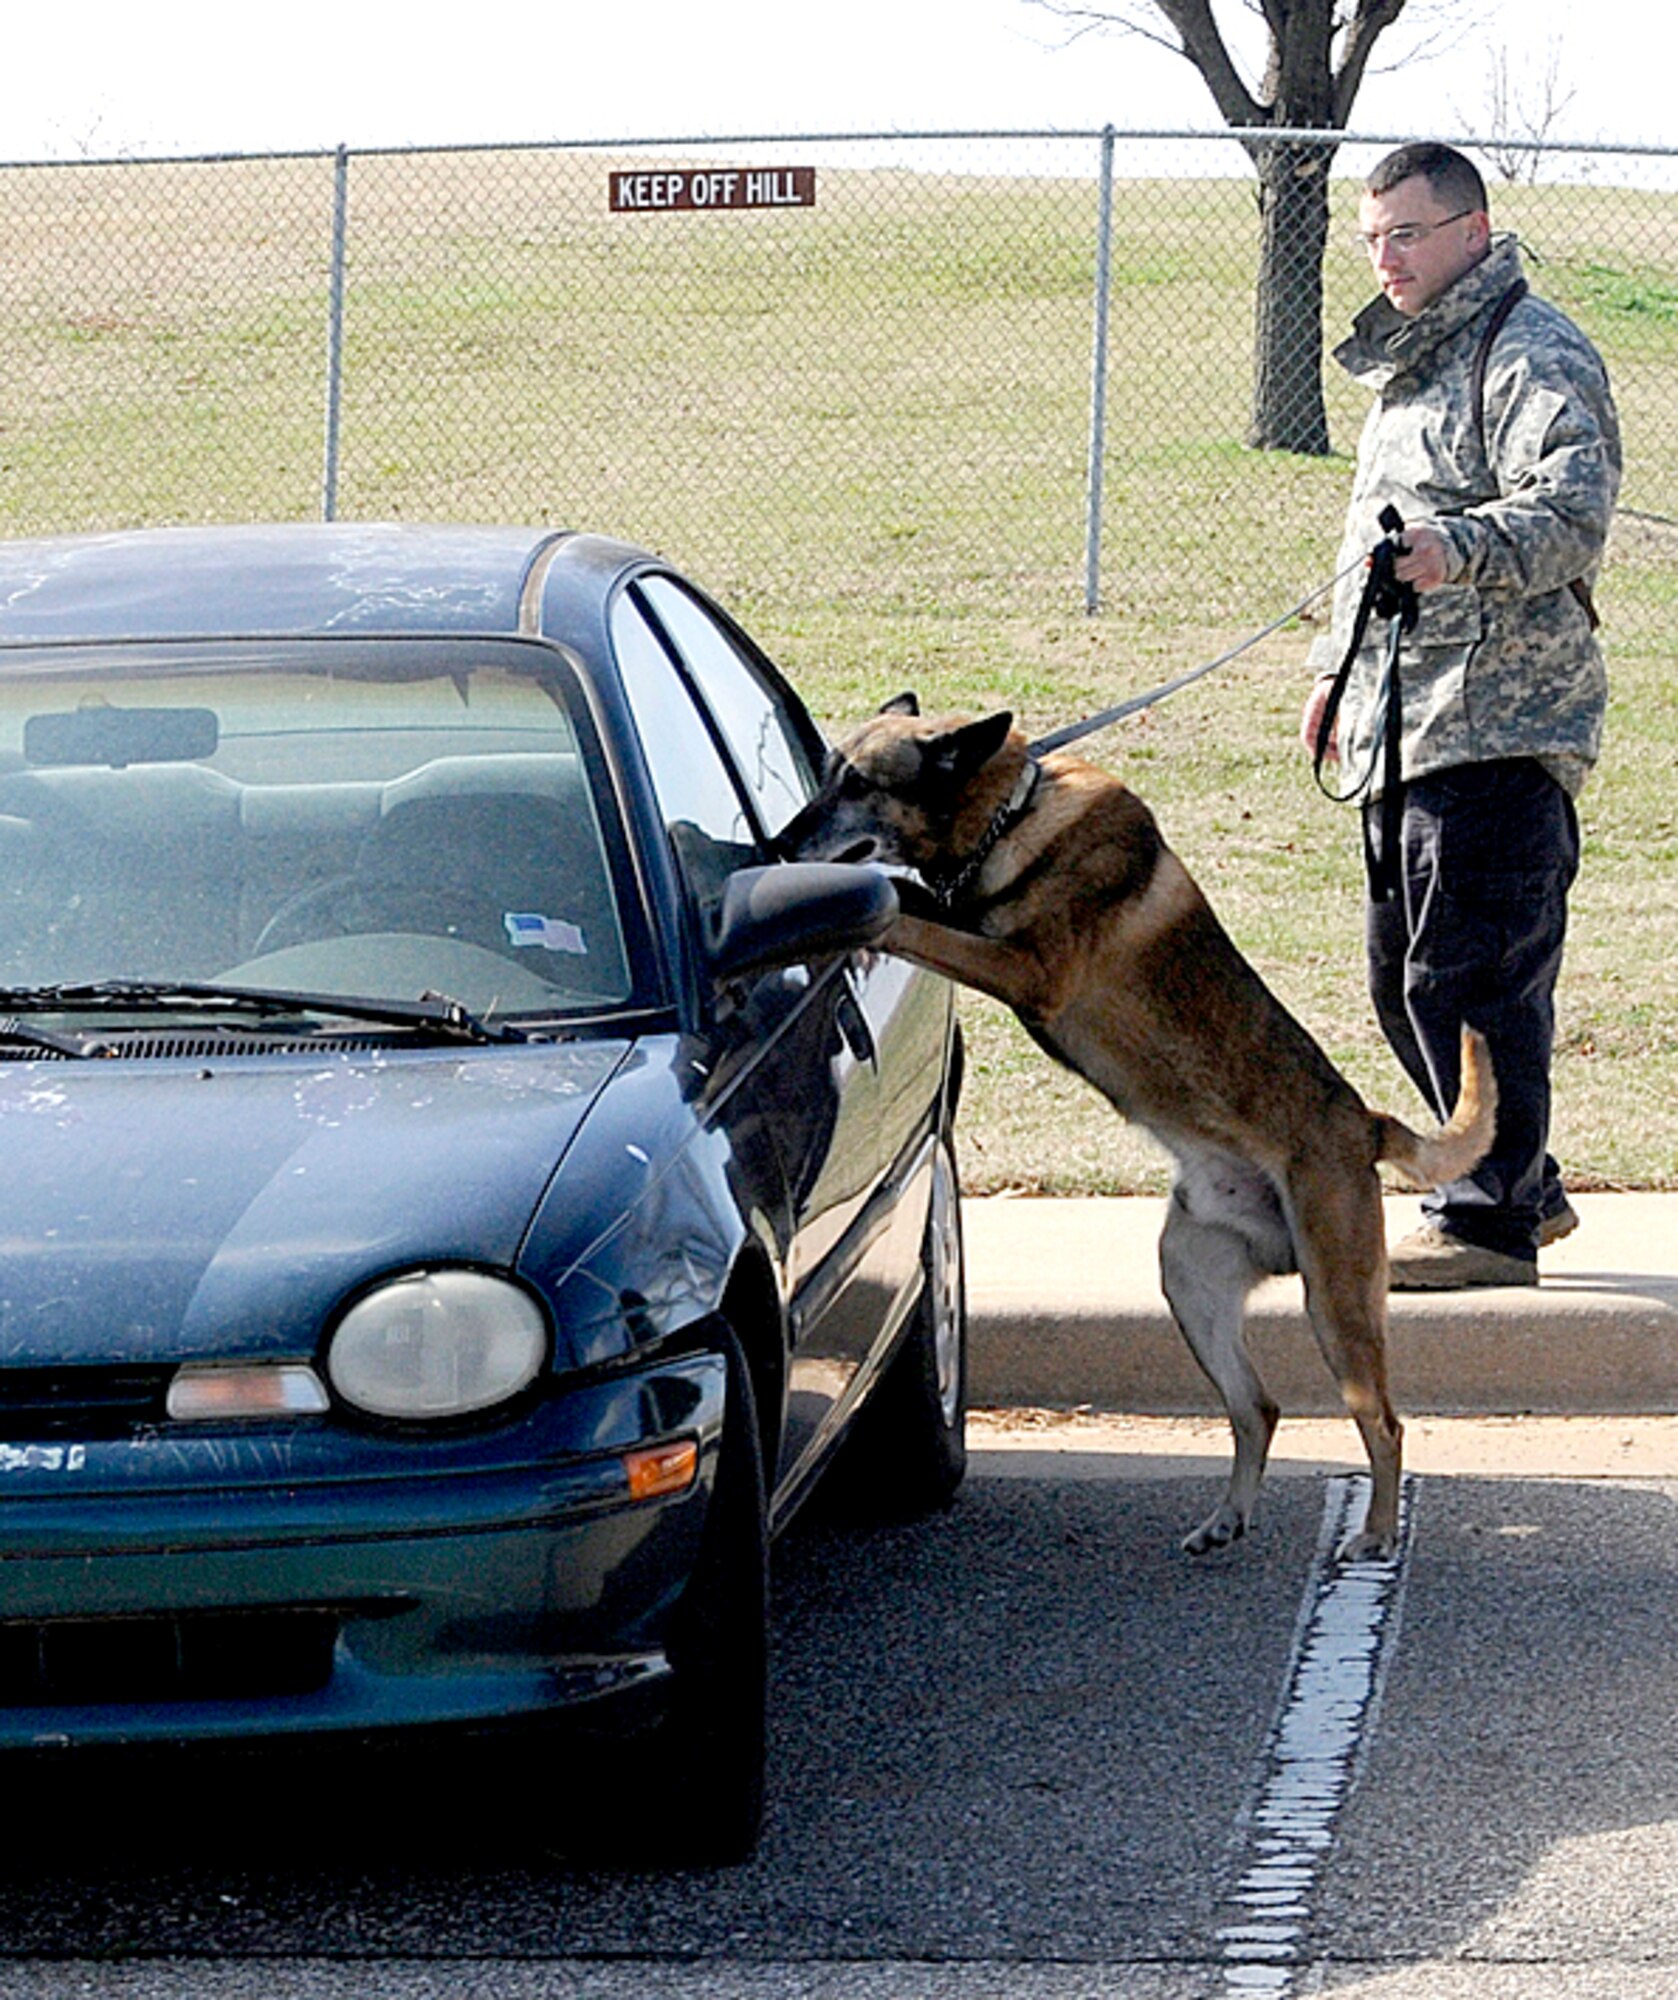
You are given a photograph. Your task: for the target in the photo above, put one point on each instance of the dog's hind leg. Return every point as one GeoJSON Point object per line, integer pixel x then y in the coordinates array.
{"type": "Point", "coordinates": [1207, 1268]}
{"type": "Point", "coordinates": [1338, 1233]}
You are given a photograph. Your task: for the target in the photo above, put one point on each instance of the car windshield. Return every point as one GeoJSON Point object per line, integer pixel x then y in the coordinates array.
{"type": "Point", "coordinates": [385, 820]}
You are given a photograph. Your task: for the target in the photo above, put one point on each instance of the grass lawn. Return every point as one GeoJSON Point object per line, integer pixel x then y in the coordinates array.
{"type": "Point", "coordinates": [864, 427]}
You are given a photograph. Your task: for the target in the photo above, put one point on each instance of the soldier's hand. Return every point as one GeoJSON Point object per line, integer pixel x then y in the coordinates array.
{"type": "Point", "coordinates": [1426, 560]}
{"type": "Point", "coordinates": [1311, 722]}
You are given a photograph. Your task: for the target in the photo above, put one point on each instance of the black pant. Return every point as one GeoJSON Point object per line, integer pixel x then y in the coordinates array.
{"type": "Point", "coordinates": [1475, 934]}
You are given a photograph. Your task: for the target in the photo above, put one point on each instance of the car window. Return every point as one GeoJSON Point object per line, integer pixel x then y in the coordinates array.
{"type": "Point", "coordinates": [710, 829]}
{"type": "Point", "coordinates": [377, 819]}
{"type": "Point", "coordinates": [765, 745]}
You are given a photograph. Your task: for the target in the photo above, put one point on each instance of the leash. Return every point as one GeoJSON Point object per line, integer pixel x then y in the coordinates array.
{"type": "Point", "coordinates": [1383, 597]}
{"type": "Point", "coordinates": [1074, 732]}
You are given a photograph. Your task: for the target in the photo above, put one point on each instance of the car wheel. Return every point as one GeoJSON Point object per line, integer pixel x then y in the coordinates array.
{"type": "Point", "coordinates": [714, 1736]}
{"type": "Point", "coordinates": [909, 1449]}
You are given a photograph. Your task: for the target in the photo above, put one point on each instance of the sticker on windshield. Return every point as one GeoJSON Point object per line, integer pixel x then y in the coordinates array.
{"type": "Point", "coordinates": [524, 927]}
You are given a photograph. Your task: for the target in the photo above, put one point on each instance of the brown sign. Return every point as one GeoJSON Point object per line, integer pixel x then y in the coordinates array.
{"type": "Point", "coordinates": [689, 188]}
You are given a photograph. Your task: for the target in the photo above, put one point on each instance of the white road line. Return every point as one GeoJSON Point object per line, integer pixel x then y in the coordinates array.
{"type": "Point", "coordinates": [1347, 1620]}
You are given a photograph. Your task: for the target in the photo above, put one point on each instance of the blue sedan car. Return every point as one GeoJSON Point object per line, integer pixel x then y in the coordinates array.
{"type": "Point", "coordinates": [458, 1188]}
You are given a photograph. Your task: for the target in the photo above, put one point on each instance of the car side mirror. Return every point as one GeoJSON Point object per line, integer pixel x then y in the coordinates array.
{"type": "Point", "coordinates": [795, 910]}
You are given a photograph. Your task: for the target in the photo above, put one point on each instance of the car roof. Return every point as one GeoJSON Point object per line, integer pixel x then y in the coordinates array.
{"type": "Point", "coordinates": [360, 579]}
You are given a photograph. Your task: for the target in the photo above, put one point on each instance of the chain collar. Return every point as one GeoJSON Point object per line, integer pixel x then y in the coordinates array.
{"type": "Point", "coordinates": [950, 889]}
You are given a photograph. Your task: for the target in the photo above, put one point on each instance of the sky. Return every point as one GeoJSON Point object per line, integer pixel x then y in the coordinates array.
{"type": "Point", "coordinates": [178, 76]}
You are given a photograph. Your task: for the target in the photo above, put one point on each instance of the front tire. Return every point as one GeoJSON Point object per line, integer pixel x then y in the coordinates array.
{"type": "Point", "coordinates": [715, 1734]}
{"type": "Point", "coordinates": [908, 1452]}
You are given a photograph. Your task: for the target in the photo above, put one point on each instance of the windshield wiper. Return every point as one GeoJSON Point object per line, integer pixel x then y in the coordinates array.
{"type": "Point", "coordinates": [77, 1047]}
{"type": "Point", "coordinates": [432, 1010]}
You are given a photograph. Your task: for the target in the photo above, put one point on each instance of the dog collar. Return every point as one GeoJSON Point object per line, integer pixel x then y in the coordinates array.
{"type": "Point", "coordinates": [1003, 821]}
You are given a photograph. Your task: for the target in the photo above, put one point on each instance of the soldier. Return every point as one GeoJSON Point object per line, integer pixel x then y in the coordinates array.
{"type": "Point", "coordinates": [1493, 433]}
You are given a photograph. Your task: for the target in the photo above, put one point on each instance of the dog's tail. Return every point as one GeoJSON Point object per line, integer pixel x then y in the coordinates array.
{"type": "Point", "coordinates": [1460, 1144]}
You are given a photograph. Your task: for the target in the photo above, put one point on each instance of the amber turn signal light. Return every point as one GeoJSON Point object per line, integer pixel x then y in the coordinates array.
{"type": "Point", "coordinates": [660, 1469]}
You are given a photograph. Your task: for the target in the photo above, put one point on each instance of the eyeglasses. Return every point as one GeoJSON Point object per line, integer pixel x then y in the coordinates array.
{"type": "Point", "coordinates": [1404, 235]}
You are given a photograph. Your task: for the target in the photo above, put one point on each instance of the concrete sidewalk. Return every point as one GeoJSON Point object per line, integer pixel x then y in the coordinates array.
{"type": "Point", "coordinates": [1065, 1312]}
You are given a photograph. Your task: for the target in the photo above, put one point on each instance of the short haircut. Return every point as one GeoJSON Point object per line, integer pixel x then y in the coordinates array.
{"type": "Point", "coordinates": [1451, 177]}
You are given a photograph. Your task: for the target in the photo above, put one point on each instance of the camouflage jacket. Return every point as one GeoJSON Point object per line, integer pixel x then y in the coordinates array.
{"type": "Point", "coordinates": [1503, 661]}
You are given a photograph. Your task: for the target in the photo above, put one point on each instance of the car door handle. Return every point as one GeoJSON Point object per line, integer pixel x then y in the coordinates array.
{"type": "Point", "coordinates": [853, 1026]}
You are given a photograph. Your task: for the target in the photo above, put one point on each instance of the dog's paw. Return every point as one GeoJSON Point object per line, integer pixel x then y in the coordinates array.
{"type": "Point", "coordinates": [1365, 1547]}
{"type": "Point", "coordinates": [915, 899]}
{"type": "Point", "coordinates": [1217, 1531]}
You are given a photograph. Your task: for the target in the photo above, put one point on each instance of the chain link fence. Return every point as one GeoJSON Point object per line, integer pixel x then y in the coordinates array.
{"type": "Point", "coordinates": [1007, 370]}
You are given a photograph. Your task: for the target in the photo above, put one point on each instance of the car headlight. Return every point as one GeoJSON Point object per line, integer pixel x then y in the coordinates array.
{"type": "Point", "coordinates": [437, 1344]}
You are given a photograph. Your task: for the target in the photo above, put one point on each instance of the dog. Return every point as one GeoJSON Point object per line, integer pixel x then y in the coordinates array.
{"type": "Point", "coordinates": [1048, 885]}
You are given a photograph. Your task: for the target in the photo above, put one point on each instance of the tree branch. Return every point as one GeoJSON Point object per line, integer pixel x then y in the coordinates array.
{"type": "Point", "coordinates": [1302, 84]}
{"type": "Point", "coordinates": [1369, 22]}
{"type": "Point", "coordinates": [1091, 20]}
{"type": "Point", "coordinates": [1203, 44]}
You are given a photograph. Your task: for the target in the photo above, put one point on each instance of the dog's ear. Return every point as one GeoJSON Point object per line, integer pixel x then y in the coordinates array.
{"type": "Point", "coordinates": [959, 753]}
{"type": "Point", "coordinates": [907, 703]}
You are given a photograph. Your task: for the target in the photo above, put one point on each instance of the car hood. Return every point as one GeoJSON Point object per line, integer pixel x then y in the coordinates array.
{"type": "Point", "coordinates": [158, 1211]}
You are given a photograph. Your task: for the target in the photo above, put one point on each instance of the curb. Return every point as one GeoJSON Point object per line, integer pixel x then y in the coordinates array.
{"type": "Point", "coordinates": [1065, 1312]}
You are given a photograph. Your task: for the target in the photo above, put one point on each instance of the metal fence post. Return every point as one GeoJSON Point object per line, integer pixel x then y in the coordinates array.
{"type": "Point", "coordinates": [1098, 390]}
{"type": "Point", "coordinates": [335, 334]}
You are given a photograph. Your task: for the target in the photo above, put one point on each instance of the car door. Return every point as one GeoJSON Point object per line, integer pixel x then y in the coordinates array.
{"type": "Point", "coordinates": [844, 1058]}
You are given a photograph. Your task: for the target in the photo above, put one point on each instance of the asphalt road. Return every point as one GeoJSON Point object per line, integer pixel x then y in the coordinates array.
{"type": "Point", "coordinates": [1026, 1750]}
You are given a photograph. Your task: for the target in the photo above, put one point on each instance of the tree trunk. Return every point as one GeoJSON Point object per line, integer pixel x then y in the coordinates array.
{"type": "Point", "coordinates": [1288, 412]}
{"type": "Point", "coordinates": [1305, 90]}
